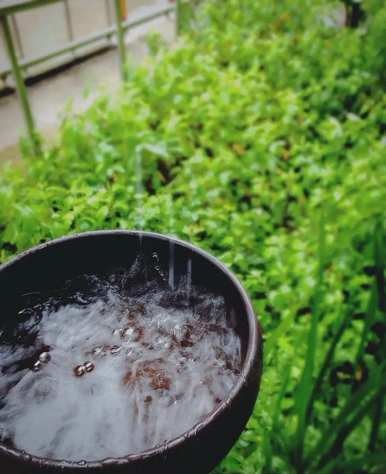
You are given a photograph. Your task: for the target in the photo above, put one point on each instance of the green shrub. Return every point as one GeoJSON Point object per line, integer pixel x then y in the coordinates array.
{"type": "Point", "coordinates": [262, 139]}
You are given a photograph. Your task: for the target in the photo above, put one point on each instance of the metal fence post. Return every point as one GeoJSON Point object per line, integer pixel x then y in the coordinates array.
{"type": "Point", "coordinates": [178, 17]}
{"type": "Point", "coordinates": [67, 12]}
{"type": "Point", "coordinates": [20, 86]}
{"type": "Point", "coordinates": [18, 41]}
{"type": "Point", "coordinates": [121, 38]}
{"type": "Point", "coordinates": [108, 12]}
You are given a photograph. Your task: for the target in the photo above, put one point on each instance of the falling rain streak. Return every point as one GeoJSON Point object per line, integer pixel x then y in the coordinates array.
{"type": "Point", "coordinates": [189, 278]}
{"type": "Point", "coordinates": [139, 187]}
{"type": "Point", "coordinates": [171, 264]}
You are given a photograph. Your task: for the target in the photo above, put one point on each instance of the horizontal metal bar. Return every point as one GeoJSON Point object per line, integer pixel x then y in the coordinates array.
{"type": "Point", "coordinates": [67, 49]}
{"type": "Point", "coordinates": [26, 63]}
{"type": "Point", "coordinates": [8, 7]}
{"type": "Point", "coordinates": [145, 19]}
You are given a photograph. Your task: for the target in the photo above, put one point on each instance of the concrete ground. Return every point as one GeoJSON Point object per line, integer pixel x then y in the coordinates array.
{"type": "Point", "coordinates": [49, 96]}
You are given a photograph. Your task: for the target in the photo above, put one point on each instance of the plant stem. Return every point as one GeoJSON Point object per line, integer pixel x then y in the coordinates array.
{"type": "Point", "coordinates": [326, 364]}
{"type": "Point", "coordinates": [352, 405]}
{"type": "Point", "coordinates": [380, 284]}
{"type": "Point", "coordinates": [370, 312]}
{"type": "Point", "coordinates": [377, 418]}
{"type": "Point", "coordinates": [304, 388]}
{"type": "Point", "coordinates": [347, 428]}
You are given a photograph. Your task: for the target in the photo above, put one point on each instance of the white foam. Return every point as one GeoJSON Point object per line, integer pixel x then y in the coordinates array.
{"type": "Point", "coordinates": [174, 365]}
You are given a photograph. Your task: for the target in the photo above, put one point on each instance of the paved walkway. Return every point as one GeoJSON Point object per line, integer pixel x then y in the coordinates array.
{"type": "Point", "coordinates": [49, 96]}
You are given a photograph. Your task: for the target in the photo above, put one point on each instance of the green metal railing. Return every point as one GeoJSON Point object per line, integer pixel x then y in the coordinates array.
{"type": "Point", "coordinates": [121, 39]}
{"type": "Point", "coordinates": [17, 67]}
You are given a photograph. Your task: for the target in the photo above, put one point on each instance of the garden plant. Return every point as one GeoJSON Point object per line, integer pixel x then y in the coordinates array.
{"type": "Point", "coordinates": [261, 137]}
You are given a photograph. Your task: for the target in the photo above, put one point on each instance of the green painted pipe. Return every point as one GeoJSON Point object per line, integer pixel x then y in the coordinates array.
{"type": "Point", "coordinates": [178, 17]}
{"type": "Point", "coordinates": [20, 86]}
{"type": "Point", "coordinates": [121, 40]}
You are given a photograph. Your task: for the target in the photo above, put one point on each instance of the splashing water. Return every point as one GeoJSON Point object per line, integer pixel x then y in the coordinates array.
{"type": "Point", "coordinates": [171, 244]}
{"type": "Point", "coordinates": [122, 371]}
{"type": "Point", "coordinates": [139, 187]}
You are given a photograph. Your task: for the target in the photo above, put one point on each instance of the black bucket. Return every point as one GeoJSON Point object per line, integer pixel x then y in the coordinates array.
{"type": "Point", "coordinates": [47, 266]}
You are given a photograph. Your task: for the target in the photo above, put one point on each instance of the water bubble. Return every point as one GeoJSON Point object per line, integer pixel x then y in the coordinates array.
{"type": "Point", "coordinates": [79, 370]}
{"type": "Point", "coordinates": [89, 366]}
{"type": "Point", "coordinates": [118, 332]}
{"type": "Point", "coordinates": [115, 350]}
{"type": "Point", "coordinates": [37, 366]}
{"type": "Point", "coordinates": [44, 357]}
{"type": "Point", "coordinates": [97, 351]}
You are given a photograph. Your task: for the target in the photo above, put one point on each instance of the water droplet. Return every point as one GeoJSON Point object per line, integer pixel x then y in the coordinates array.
{"type": "Point", "coordinates": [79, 370]}
{"type": "Point", "coordinates": [37, 366]}
{"type": "Point", "coordinates": [115, 350]}
{"type": "Point", "coordinates": [44, 357]}
{"type": "Point", "coordinates": [89, 366]}
{"type": "Point", "coordinates": [97, 351]}
{"type": "Point", "coordinates": [118, 332]}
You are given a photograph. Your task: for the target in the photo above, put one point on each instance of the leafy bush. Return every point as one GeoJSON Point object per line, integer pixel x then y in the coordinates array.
{"type": "Point", "coordinates": [262, 139]}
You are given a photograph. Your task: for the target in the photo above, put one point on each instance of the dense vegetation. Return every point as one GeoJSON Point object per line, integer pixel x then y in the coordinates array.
{"type": "Point", "coordinates": [262, 139]}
